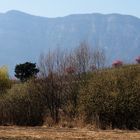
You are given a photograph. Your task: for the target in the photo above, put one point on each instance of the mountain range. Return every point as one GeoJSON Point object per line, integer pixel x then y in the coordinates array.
{"type": "Point", "coordinates": [23, 37]}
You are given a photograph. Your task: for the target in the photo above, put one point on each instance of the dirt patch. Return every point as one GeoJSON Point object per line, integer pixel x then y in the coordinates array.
{"type": "Point", "coordinates": [40, 133]}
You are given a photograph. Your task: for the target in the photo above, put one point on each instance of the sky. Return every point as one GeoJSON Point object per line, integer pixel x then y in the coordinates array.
{"type": "Point", "coordinates": [59, 8]}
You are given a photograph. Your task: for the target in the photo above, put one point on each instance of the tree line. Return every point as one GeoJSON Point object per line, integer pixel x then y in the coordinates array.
{"type": "Point", "coordinates": [70, 88]}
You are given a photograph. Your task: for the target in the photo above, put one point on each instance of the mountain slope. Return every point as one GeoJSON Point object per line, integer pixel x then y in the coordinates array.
{"type": "Point", "coordinates": [23, 37]}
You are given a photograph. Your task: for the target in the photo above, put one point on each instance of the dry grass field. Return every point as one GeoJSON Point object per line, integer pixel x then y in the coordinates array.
{"type": "Point", "coordinates": [41, 133]}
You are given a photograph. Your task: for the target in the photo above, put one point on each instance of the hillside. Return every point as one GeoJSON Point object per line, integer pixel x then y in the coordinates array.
{"type": "Point", "coordinates": [23, 37]}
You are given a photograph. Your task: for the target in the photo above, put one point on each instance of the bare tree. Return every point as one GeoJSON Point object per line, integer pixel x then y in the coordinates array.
{"type": "Point", "coordinates": [51, 68]}
{"type": "Point", "coordinates": [82, 56]}
{"type": "Point", "coordinates": [87, 57]}
{"type": "Point", "coordinates": [61, 75]}
{"type": "Point", "coordinates": [98, 58]}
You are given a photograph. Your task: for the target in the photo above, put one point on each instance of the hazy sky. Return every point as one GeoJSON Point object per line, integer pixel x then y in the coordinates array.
{"type": "Point", "coordinates": [54, 8]}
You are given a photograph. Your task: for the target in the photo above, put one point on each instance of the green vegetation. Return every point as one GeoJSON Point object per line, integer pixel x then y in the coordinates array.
{"type": "Point", "coordinates": [21, 105]}
{"type": "Point", "coordinates": [67, 91]}
{"type": "Point", "coordinates": [112, 98]}
{"type": "Point", "coordinates": [5, 83]}
{"type": "Point", "coordinates": [26, 71]}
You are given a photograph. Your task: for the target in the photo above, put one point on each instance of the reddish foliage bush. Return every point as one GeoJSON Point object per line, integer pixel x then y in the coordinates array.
{"type": "Point", "coordinates": [70, 70]}
{"type": "Point", "coordinates": [117, 63]}
{"type": "Point", "coordinates": [138, 59]}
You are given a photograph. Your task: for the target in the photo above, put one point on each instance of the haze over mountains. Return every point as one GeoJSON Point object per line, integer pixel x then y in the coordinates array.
{"type": "Point", "coordinates": [24, 37]}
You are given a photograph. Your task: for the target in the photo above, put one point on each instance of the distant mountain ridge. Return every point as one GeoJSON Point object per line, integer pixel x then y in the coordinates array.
{"type": "Point", "coordinates": [23, 37]}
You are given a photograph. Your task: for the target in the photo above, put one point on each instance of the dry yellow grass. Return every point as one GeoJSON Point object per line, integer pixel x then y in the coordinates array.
{"type": "Point", "coordinates": [19, 133]}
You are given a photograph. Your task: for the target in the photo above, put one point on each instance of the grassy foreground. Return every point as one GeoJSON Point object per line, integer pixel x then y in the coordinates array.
{"type": "Point", "coordinates": [40, 133]}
